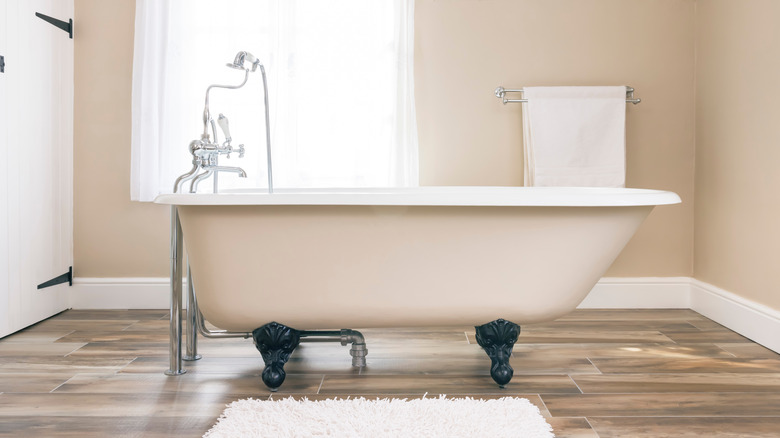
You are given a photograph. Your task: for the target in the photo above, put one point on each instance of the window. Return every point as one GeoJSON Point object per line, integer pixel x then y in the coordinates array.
{"type": "Point", "coordinates": [340, 77]}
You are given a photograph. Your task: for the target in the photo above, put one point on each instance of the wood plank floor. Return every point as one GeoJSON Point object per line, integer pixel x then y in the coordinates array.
{"type": "Point", "coordinates": [607, 373]}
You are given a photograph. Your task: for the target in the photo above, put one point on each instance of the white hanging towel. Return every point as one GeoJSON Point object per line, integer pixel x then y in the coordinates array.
{"type": "Point", "coordinates": [575, 136]}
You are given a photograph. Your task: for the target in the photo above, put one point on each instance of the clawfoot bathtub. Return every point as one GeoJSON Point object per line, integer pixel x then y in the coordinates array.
{"type": "Point", "coordinates": [276, 266]}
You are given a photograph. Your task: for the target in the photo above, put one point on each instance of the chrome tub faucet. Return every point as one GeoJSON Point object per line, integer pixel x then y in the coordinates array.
{"type": "Point", "coordinates": [206, 152]}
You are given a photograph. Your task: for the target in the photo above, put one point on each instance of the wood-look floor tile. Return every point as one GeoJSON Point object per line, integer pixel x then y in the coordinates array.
{"type": "Point", "coordinates": [594, 336]}
{"type": "Point", "coordinates": [670, 427]}
{"type": "Point", "coordinates": [477, 366]}
{"type": "Point", "coordinates": [208, 364]}
{"type": "Point", "coordinates": [234, 384]}
{"type": "Point", "coordinates": [632, 314]}
{"type": "Point", "coordinates": [38, 349]}
{"type": "Point", "coordinates": [120, 350]}
{"type": "Point", "coordinates": [32, 382]}
{"type": "Point", "coordinates": [246, 365]}
{"type": "Point", "coordinates": [751, 350]}
{"type": "Point", "coordinates": [59, 404]}
{"type": "Point", "coordinates": [161, 325]}
{"type": "Point", "coordinates": [612, 350]}
{"type": "Point", "coordinates": [450, 385]}
{"type": "Point", "coordinates": [608, 326]}
{"type": "Point", "coordinates": [647, 356]}
{"type": "Point", "coordinates": [99, 427]}
{"type": "Point", "coordinates": [706, 365]}
{"type": "Point", "coordinates": [706, 324]}
{"type": "Point", "coordinates": [667, 351]}
{"type": "Point", "coordinates": [114, 336]}
{"type": "Point", "coordinates": [54, 324]}
{"type": "Point", "coordinates": [705, 382]}
{"type": "Point", "coordinates": [731, 404]}
{"type": "Point", "coordinates": [31, 336]}
{"type": "Point", "coordinates": [339, 362]}
{"type": "Point", "coordinates": [59, 364]}
{"type": "Point", "coordinates": [236, 348]}
{"type": "Point", "coordinates": [86, 314]}
{"type": "Point", "coordinates": [707, 336]}
{"type": "Point", "coordinates": [587, 337]}
{"type": "Point", "coordinates": [571, 428]}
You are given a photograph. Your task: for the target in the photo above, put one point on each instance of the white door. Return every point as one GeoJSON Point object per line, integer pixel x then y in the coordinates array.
{"type": "Point", "coordinates": [36, 138]}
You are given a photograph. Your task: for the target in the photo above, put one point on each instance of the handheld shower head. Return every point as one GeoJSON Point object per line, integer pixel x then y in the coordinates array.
{"type": "Point", "coordinates": [241, 58]}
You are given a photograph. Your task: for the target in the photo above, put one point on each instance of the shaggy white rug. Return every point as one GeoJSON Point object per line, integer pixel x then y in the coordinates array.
{"type": "Point", "coordinates": [359, 417]}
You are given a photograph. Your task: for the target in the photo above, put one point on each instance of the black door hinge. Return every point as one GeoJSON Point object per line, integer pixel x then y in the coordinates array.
{"type": "Point", "coordinates": [66, 277]}
{"type": "Point", "coordinates": [66, 26]}
{"type": "Point", "coordinates": [2, 64]}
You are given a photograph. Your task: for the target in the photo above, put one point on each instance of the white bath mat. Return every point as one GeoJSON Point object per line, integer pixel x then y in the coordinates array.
{"type": "Point", "coordinates": [360, 417]}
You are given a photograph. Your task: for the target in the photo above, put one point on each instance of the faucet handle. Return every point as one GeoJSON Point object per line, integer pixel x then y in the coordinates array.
{"type": "Point", "coordinates": [241, 151]}
{"type": "Point", "coordinates": [225, 125]}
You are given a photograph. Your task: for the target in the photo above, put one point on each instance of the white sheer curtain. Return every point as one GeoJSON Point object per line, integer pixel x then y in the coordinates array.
{"type": "Point", "coordinates": [340, 75]}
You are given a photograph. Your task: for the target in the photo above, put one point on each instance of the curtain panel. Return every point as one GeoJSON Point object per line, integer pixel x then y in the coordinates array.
{"type": "Point", "coordinates": [341, 87]}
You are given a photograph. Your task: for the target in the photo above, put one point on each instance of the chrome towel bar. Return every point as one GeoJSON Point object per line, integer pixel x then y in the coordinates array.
{"type": "Point", "coordinates": [501, 94]}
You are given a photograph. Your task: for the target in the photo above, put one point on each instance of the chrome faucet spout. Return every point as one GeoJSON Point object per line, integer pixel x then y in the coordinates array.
{"type": "Point", "coordinates": [238, 170]}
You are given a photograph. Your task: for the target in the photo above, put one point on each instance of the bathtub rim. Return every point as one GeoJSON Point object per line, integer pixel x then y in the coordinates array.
{"type": "Point", "coordinates": [433, 196]}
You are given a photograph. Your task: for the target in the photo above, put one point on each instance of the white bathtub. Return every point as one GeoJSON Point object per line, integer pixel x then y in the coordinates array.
{"type": "Point", "coordinates": [278, 265]}
{"type": "Point", "coordinates": [403, 257]}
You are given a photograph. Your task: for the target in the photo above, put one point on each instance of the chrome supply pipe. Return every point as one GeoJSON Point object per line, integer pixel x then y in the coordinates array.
{"type": "Point", "coordinates": [196, 181]}
{"type": "Point", "coordinates": [200, 322]}
{"type": "Point", "coordinates": [195, 145]}
{"type": "Point", "coordinates": [205, 155]}
{"type": "Point", "coordinates": [191, 351]}
{"type": "Point", "coordinates": [186, 177]}
{"type": "Point", "coordinates": [216, 334]}
{"type": "Point", "coordinates": [175, 366]}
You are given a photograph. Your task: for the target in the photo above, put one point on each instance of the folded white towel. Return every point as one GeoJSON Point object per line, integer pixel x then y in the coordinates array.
{"type": "Point", "coordinates": [575, 136]}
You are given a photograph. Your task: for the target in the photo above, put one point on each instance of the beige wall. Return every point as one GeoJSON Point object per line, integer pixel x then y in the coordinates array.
{"type": "Point", "coordinates": [112, 236]}
{"type": "Point", "coordinates": [464, 49]}
{"type": "Point", "coordinates": [737, 199]}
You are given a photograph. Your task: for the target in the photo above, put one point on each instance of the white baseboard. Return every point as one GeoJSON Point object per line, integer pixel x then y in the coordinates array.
{"type": "Point", "coordinates": [748, 318]}
{"type": "Point", "coordinates": [609, 293]}
{"type": "Point", "coordinates": [752, 320]}
{"type": "Point", "coordinates": [639, 293]}
{"type": "Point", "coordinates": [120, 293]}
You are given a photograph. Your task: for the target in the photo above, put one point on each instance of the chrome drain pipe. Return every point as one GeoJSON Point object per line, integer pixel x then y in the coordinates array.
{"type": "Point", "coordinates": [358, 351]}
{"type": "Point", "coordinates": [344, 336]}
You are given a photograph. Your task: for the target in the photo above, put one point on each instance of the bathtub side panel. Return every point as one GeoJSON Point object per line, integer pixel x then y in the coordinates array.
{"type": "Point", "coordinates": [314, 267]}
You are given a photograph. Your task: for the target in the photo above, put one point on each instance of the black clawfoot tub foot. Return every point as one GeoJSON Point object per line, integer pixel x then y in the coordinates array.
{"type": "Point", "coordinates": [497, 339]}
{"type": "Point", "coordinates": [276, 342]}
